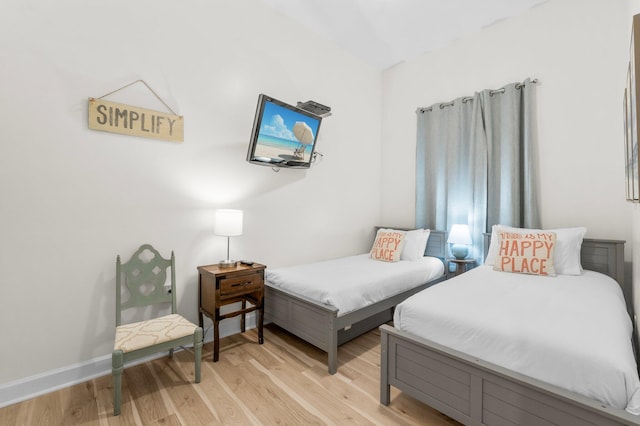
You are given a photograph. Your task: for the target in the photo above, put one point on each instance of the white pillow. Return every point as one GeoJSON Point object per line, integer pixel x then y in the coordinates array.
{"type": "Point", "coordinates": [566, 256]}
{"type": "Point", "coordinates": [388, 245]}
{"type": "Point", "coordinates": [415, 243]}
{"type": "Point", "coordinates": [527, 253]}
{"type": "Point", "coordinates": [492, 253]}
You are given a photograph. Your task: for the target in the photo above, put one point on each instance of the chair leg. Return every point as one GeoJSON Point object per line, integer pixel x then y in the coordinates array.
{"type": "Point", "coordinates": [117, 366]}
{"type": "Point", "coordinates": [197, 351]}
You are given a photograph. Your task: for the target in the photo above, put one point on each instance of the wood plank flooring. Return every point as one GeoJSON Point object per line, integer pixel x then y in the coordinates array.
{"type": "Point", "coordinates": [284, 382]}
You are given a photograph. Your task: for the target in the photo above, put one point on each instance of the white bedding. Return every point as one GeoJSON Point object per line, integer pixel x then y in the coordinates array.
{"type": "Point", "coordinates": [570, 331]}
{"type": "Point", "coordinates": [353, 282]}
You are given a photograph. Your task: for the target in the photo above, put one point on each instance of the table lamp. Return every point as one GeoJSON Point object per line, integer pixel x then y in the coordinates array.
{"type": "Point", "coordinates": [460, 239]}
{"type": "Point", "coordinates": [228, 223]}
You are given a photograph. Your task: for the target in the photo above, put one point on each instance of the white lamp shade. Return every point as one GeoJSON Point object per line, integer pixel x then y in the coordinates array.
{"type": "Point", "coordinates": [459, 234]}
{"type": "Point", "coordinates": [228, 222]}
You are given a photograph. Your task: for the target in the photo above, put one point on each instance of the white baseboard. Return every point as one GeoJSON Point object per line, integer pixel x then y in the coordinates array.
{"type": "Point", "coordinates": [52, 380]}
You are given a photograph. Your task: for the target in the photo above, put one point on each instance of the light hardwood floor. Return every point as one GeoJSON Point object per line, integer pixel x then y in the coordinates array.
{"type": "Point", "coordinates": [284, 382]}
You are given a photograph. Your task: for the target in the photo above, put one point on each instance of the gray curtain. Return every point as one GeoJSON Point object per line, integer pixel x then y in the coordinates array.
{"type": "Point", "coordinates": [476, 162]}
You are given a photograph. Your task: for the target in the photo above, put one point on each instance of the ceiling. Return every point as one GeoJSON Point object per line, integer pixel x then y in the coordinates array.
{"type": "Point", "coordinates": [386, 32]}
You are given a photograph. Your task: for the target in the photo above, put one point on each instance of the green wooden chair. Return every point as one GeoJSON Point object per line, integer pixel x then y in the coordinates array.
{"type": "Point", "coordinates": [144, 277]}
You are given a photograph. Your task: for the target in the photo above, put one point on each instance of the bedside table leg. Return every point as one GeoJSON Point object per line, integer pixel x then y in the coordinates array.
{"type": "Point", "coordinates": [242, 318]}
{"type": "Point", "coordinates": [260, 323]}
{"type": "Point", "coordinates": [216, 339]}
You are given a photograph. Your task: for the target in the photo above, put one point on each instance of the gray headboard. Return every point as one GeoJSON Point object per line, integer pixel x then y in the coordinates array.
{"type": "Point", "coordinates": [605, 256]}
{"type": "Point", "coordinates": [436, 244]}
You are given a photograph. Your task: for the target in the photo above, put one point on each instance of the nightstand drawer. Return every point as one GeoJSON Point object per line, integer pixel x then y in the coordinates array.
{"type": "Point", "coordinates": [241, 284]}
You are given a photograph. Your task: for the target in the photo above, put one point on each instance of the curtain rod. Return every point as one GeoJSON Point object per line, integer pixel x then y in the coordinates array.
{"type": "Point", "coordinates": [470, 98]}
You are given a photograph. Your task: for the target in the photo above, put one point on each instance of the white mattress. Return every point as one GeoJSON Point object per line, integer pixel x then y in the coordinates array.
{"type": "Point", "coordinates": [570, 331]}
{"type": "Point", "coordinates": [353, 282]}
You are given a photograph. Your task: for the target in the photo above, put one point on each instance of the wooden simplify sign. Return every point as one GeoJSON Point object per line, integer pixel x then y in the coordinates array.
{"type": "Point", "coordinates": [135, 121]}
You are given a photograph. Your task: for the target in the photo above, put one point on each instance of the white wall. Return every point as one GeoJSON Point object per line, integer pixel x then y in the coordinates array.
{"type": "Point", "coordinates": [72, 198]}
{"type": "Point", "coordinates": [578, 51]}
{"type": "Point", "coordinates": [634, 8]}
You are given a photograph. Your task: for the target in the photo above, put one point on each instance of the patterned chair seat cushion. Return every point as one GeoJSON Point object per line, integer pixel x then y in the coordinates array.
{"type": "Point", "coordinates": [138, 335]}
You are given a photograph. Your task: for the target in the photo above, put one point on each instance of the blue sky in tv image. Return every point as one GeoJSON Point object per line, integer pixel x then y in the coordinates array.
{"type": "Point", "coordinates": [277, 127]}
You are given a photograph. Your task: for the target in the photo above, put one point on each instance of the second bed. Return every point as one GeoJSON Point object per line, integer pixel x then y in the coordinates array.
{"type": "Point", "coordinates": [496, 348]}
{"type": "Point", "coordinates": [331, 302]}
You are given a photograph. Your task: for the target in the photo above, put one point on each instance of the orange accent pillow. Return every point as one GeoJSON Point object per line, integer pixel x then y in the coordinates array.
{"type": "Point", "coordinates": [388, 245]}
{"type": "Point", "coordinates": [526, 253]}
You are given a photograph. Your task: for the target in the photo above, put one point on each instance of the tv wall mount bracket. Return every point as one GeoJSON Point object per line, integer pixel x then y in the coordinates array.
{"type": "Point", "coordinates": [315, 108]}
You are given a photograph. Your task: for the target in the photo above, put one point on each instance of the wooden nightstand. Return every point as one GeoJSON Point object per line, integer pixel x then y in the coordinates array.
{"type": "Point", "coordinates": [462, 265]}
{"type": "Point", "coordinates": [219, 286]}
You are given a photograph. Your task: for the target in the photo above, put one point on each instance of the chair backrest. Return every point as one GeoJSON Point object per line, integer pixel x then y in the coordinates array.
{"type": "Point", "coordinates": [144, 276]}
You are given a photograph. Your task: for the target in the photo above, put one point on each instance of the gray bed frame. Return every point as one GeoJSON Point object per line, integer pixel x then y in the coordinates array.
{"type": "Point", "coordinates": [475, 392]}
{"type": "Point", "coordinates": [320, 324]}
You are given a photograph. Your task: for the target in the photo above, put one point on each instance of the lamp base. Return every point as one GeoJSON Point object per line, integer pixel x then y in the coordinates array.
{"type": "Point", "coordinates": [227, 263]}
{"type": "Point", "coordinates": [459, 251]}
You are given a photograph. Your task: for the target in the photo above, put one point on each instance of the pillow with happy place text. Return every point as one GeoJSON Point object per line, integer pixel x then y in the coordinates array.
{"type": "Point", "coordinates": [566, 257]}
{"type": "Point", "coordinates": [388, 245]}
{"type": "Point", "coordinates": [526, 252]}
{"type": "Point", "coordinates": [415, 243]}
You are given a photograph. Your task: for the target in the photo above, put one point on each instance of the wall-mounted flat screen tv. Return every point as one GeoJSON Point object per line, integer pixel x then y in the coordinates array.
{"type": "Point", "coordinates": [282, 135]}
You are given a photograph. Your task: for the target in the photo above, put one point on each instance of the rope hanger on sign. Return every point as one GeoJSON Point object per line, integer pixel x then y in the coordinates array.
{"type": "Point", "coordinates": [147, 86]}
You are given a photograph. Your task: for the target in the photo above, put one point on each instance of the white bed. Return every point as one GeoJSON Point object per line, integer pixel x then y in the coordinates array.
{"type": "Point", "coordinates": [354, 282]}
{"type": "Point", "coordinates": [500, 348]}
{"type": "Point", "coordinates": [331, 302]}
{"type": "Point", "coordinates": [570, 331]}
